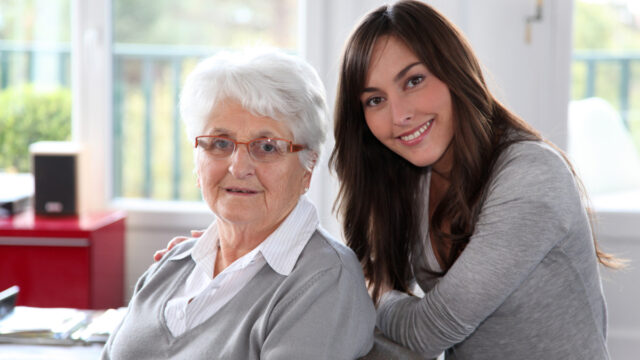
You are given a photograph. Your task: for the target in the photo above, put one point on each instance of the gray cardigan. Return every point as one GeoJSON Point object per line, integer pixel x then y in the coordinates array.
{"type": "Point", "coordinates": [321, 310]}
{"type": "Point", "coordinates": [526, 286]}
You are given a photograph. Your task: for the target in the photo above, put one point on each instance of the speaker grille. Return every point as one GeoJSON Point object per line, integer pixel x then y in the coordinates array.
{"type": "Point", "coordinates": [55, 184]}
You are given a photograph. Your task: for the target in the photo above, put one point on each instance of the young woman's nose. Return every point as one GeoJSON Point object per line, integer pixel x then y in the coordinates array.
{"type": "Point", "coordinates": [241, 164]}
{"type": "Point", "coordinates": [401, 110]}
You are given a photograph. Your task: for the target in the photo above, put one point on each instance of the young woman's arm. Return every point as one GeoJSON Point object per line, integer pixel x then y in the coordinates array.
{"type": "Point", "coordinates": [530, 205]}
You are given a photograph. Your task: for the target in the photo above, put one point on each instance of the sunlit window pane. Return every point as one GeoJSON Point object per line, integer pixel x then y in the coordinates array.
{"type": "Point", "coordinates": [35, 95]}
{"type": "Point", "coordinates": [604, 124]}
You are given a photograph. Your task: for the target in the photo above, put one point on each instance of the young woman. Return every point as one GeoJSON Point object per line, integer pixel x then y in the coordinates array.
{"type": "Point", "coordinates": [443, 186]}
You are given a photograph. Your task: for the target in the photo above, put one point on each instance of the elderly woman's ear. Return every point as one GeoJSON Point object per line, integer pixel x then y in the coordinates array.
{"type": "Point", "coordinates": [314, 160]}
{"type": "Point", "coordinates": [307, 178]}
{"type": "Point", "coordinates": [307, 182]}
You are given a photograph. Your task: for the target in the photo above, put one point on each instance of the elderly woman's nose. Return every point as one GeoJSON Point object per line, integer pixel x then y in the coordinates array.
{"type": "Point", "coordinates": [241, 164]}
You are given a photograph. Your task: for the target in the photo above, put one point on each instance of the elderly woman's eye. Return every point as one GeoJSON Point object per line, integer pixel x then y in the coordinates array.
{"type": "Point", "coordinates": [221, 144]}
{"type": "Point", "coordinates": [268, 147]}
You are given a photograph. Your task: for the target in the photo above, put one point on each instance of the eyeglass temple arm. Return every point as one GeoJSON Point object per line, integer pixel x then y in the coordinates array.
{"type": "Point", "coordinates": [296, 148]}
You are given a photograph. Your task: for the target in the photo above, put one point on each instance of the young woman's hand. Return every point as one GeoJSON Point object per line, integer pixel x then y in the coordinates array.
{"type": "Point", "coordinates": [175, 241]}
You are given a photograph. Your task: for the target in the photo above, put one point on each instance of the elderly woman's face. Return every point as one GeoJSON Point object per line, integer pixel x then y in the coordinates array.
{"type": "Point", "coordinates": [240, 190]}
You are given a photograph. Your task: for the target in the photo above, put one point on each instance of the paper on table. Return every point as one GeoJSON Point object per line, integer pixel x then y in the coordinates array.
{"type": "Point", "coordinates": [101, 326]}
{"type": "Point", "coordinates": [59, 326]}
{"type": "Point", "coordinates": [26, 319]}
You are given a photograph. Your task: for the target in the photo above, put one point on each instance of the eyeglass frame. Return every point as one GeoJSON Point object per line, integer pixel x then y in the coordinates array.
{"type": "Point", "coordinates": [292, 148]}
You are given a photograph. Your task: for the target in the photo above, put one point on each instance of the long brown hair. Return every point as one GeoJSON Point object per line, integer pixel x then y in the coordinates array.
{"type": "Point", "coordinates": [377, 199]}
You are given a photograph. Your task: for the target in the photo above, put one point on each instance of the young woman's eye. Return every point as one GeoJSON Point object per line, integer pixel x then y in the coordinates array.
{"type": "Point", "coordinates": [373, 101]}
{"type": "Point", "coordinates": [414, 81]}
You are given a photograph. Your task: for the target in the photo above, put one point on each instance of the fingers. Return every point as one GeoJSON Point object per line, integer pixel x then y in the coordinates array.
{"type": "Point", "coordinates": [196, 233]}
{"type": "Point", "coordinates": [159, 254]}
{"type": "Point", "coordinates": [172, 243]}
{"type": "Point", "coordinates": [175, 241]}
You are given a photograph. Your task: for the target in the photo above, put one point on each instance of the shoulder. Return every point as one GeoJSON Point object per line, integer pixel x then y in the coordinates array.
{"type": "Point", "coordinates": [181, 250]}
{"type": "Point", "coordinates": [534, 167]}
{"type": "Point", "coordinates": [324, 252]}
{"type": "Point", "coordinates": [327, 266]}
{"type": "Point", "coordinates": [179, 253]}
{"type": "Point", "coordinates": [326, 271]}
{"type": "Point", "coordinates": [533, 178]}
{"type": "Point", "coordinates": [532, 155]}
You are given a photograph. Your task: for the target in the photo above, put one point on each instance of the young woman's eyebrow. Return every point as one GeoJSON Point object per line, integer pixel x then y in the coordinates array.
{"type": "Point", "coordinates": [396, 78]}
{"type": "Point", "coordinates": [404, 71]}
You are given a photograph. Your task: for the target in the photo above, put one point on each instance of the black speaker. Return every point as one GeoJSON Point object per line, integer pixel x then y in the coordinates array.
{"type": "Point", "coordinates": [55, 173]}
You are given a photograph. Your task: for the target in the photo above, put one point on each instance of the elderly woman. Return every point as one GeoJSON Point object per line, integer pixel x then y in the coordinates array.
{"type": "Point", "coordinates": [264, 281]}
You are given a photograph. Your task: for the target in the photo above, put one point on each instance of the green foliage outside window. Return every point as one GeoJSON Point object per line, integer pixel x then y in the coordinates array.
{"type": "Point", "coordinates": [28, 115]}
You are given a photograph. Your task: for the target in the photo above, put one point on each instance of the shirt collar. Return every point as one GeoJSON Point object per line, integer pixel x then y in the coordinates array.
{"type": "Point", "coordinates": [207, 242]}
{"type": "Point", "coordinates": [281, 249]}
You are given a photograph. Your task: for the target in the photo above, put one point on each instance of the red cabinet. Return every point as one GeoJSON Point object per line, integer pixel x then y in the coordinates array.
{"type": "Point", "coordinates": [74, 261]}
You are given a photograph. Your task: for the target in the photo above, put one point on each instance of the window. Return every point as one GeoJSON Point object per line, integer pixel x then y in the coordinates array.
{"type": "Point", "coordinates": [604, 124]}
{"type": "Point", "coordinates": [155, 45]}
{"type": "Point", "coordinates": [35, 91]}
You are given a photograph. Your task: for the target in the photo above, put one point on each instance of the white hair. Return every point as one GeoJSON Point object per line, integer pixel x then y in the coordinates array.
{"type": "Point", "coordinates": [266, 82]}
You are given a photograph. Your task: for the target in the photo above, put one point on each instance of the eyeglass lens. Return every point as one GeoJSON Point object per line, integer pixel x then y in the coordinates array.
{"type": "Point", "coordinates": [259, 149]}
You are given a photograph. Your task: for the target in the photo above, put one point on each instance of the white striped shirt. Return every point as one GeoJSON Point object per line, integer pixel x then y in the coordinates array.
{"type": "Point", "coordinates": [280, 250]}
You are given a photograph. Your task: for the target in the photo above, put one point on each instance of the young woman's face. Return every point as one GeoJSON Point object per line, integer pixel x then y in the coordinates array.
{"type": "Point", "coordinates": [406, 107]}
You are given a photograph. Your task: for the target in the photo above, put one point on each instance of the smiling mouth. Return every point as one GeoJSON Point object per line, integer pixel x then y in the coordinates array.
{"type": "Point", "coordinates": [240, 191]}
{"type": "Point", "coordinates": [421, 130]}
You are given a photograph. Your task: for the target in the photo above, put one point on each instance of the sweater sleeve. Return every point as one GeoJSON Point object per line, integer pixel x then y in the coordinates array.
{"type": "Point", "coordinates": [330, 317]}
{"type": "Point", "coordinates": [527, 211]}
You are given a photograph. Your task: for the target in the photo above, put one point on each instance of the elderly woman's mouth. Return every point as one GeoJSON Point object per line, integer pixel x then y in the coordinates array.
{"type": "Point", "coordinates": [240, 191]}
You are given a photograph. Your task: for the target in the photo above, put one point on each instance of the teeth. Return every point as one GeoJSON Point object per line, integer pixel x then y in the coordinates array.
{"type": "Point", "coordinates": [418, 132]}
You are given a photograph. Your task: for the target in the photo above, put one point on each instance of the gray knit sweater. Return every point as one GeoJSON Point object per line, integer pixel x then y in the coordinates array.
{"type": "Point", "coordinates": [526, 286]}
{"type": "Point", "coordinates": [321, 310]}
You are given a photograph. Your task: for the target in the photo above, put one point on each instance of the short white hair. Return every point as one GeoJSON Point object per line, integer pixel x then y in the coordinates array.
{"type": "Point", "coordinates": [266, 82]}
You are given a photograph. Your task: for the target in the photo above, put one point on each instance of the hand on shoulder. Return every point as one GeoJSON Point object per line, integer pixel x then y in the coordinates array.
{"type": "Point", "coordinates": [175, 241]}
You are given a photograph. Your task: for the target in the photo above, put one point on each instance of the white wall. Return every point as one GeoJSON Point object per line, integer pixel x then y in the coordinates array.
{"type": "Point", "coordinates": [619, 232]}
{"type": "Point", "coordinates": [531, 78]}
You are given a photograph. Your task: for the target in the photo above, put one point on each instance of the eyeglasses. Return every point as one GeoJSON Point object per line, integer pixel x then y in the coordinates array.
{"type": "Point", "coordinates": [261, 149]}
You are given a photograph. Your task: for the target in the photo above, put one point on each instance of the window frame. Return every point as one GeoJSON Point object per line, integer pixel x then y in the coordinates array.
{"type": "Point", "coordinates": [91, 74]}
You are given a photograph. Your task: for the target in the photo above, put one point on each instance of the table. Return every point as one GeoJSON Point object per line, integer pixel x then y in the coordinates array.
{"type": "Point", "coordinates": [70, 261]}
{"type": "Point", "coordinates": [40, 352]}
